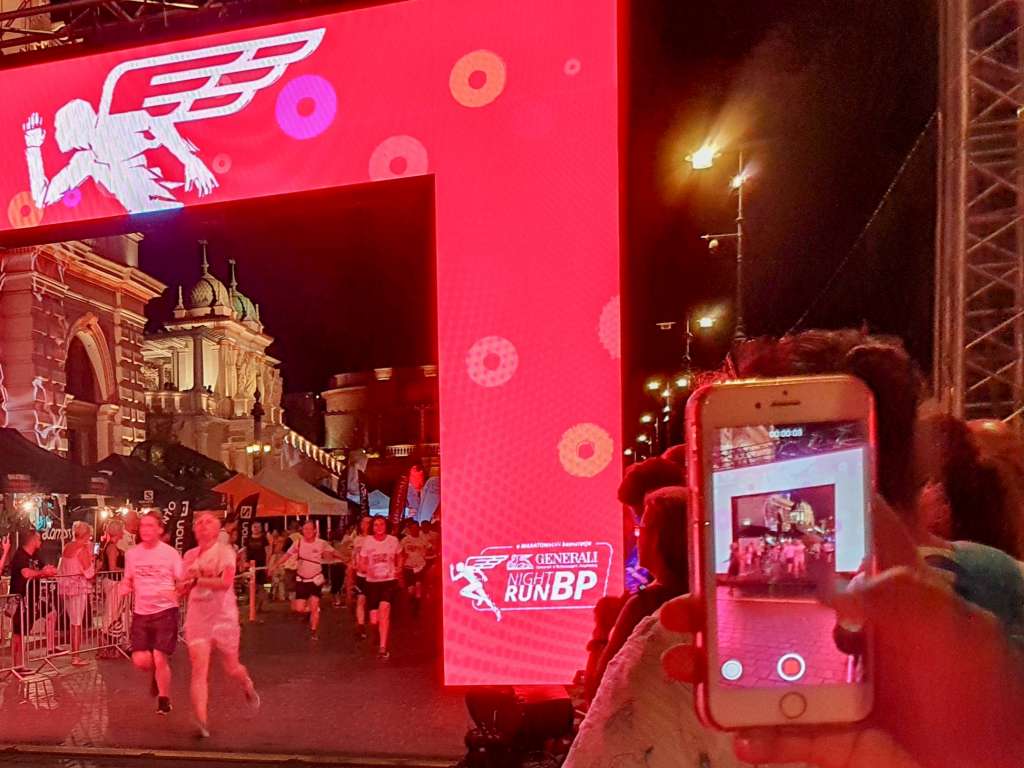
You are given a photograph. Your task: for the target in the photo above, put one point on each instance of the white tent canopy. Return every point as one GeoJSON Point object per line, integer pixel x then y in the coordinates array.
{"type": "Point", "coordinates": [288, 484]}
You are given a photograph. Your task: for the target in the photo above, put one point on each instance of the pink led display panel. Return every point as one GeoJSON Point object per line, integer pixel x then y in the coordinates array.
{"type": "Point", "coordinates": [512, 107]}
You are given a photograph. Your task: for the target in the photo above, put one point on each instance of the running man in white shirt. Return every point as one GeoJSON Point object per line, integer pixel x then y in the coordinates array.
{"type": "Point", "coordinates": [152, 572]}
{"type": "Point", "coordinates": [381, 555]}
{"type": "Point", "coordinates": [211, 621]}
{"type": "Point", "coordinates": [310, 554]}
{"type": "Point", "coordinates": [357, 574]}
{"type": "Point", "coordinates": [415, 547]}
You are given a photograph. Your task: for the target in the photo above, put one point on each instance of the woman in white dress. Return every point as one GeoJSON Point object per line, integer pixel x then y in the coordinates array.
{"type": "Point", "coordinates": [211, 620]}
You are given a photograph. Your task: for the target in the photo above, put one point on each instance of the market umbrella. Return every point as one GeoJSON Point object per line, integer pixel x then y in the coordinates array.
{"type": "Point", "coordinates": [26, 468]}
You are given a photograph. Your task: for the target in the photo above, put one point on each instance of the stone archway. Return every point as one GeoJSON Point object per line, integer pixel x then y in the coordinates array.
{"type": "Point", "coordinates": [89, 384]}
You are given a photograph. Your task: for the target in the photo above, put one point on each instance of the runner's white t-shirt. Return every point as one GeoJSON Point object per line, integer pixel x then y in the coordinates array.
{"type": "Point", "coordinates": [415, 549]}
{"type": "Point", "coordinates": [153, 573]}
{"type": "Point", "coordinates": [310, 557]}
{"type": "Point", "coordinates": [379, 558]}
{"type": "Point", "coordinates": [357, 557]}
{"type": "Point", "coordinates": [210, 564]}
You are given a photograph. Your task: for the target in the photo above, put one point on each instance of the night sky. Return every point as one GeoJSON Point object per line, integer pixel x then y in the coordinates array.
{"type": "Point", "coordinates": [829, 96]}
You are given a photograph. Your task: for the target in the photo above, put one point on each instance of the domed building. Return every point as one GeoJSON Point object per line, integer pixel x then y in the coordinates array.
{"type": "Point", "coordinates": [203, 371]}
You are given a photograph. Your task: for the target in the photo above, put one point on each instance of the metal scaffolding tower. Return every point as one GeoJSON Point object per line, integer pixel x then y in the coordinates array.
{"type": "Point", "coordinates": [979, 329]}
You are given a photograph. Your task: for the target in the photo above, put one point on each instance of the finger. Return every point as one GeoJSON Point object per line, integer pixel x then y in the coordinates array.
{"type": "Point", "coordinates": [685, 663]}
{"type": "Point", "coordinates": [893, 543]}
{"type": "Point", "coordinates": [684, 614]}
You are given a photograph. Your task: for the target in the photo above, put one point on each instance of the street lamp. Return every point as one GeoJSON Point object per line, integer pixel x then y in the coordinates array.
{"type": "Point", "coordinates": [701, 160]}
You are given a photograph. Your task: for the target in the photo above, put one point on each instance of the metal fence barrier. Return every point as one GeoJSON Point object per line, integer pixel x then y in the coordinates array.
{"type": "Point", "coordinates": [64, 616]}
{"type": "Point", "coordinates": [71, 616]}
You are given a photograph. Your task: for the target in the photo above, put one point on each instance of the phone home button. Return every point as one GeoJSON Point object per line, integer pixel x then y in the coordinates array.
{"type": "Point", "coordinates": [793, 705]}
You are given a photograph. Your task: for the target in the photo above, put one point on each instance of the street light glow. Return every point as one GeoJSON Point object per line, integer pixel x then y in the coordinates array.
{"type": "Point", "coordinates": [628, 451]}
{"type": "Point", "coordinates": [646, 418]}
{"type": "Point", "coordinates": [738, 180]}
{"type": "Point", "coordinates": [642, 438]}
{"type": "Point", "coordinates": [703, 158]}
{"type": "Point", "coordinates": [682, 382]}
{"type": "Point", "coordinates": [666, 392]}
{"type": "Point", "coordinates": [706, 322]}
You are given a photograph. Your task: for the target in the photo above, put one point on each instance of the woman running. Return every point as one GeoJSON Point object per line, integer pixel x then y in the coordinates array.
{"type": "Point", "coordinates": [311, 554]}
{"type": "Point", "coordinates": [357, 574]}
{"type": "Point", "coordinates": [211, 620]}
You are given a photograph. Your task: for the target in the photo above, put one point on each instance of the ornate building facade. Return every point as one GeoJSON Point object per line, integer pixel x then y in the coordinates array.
{"type": "Point", "coordinates": [392, 411]}
{"type": "Point", "coordinates": [71, 333]}
{"type": "Point", "coordinates": [203, 369]}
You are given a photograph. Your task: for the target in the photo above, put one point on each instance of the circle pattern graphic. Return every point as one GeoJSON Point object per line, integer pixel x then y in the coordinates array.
{"type": "Point", "coordinates": [398, 156]}
{"type": "Point", "coordinates": [478, 78]}
{"type": "Point", "coordinates": [585, 450]}
{"type": "Point", "coordinates": [492, 361]}
{"type": "Point", "coordinates": [306, 107]}
{"type": "Point", "coordinates": [572, 67]}
{"type": "Point", "coordinates": [22, 211]}
{"type": "Point", "coordinates": [222, 163]}
{"type": "Point", "coordinates": [72, 198]}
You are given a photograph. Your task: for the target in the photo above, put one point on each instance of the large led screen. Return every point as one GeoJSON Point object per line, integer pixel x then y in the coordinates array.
{"type": "Point", "coordinates": [512, 107]}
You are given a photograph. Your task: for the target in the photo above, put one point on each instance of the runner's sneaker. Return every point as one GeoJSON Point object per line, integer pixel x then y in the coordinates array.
{"type": "Point", "coordinates": [163, 705]}
{"type": "Point", "coordinates": [203, 731]}
{"type": "Point", "coordinates": [383, 654]}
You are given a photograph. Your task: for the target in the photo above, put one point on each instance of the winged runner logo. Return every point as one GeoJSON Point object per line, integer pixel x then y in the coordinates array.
{"type": "Point", "coordinates": [472, 571]}
{"type": "Point", "coordinates": [110, 147]}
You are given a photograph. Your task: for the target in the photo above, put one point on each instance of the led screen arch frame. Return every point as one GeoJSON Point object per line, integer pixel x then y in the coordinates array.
{"type": "Point", "coordinates": [513, 108]}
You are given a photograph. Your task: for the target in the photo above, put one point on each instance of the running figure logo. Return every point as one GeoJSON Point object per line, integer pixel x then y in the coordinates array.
{"type": "Point", "coordinates": [472, 570]}
{"type": "Point", "coordinates": [110, 147]}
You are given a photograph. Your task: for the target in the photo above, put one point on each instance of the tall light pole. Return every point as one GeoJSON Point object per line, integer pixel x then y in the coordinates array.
{"type": "Point", "coordinates": [703, 159]}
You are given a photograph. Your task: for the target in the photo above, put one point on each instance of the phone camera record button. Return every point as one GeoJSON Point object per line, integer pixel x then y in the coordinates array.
{"type": "Point", "coordinates": [793, 705]}
{"type": "Point", "coordinates": [732, 670]}
{"type": "Point", "coordinates": [791, 667]}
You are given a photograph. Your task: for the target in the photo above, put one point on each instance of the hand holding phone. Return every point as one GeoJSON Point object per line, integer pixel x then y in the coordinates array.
{"type": "Point", "coordinates": [782, 476]}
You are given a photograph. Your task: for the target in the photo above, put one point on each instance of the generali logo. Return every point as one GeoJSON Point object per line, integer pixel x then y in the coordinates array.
{"type": "Point", "coordinates": [110, 147]}
{"type": "Point", "coordinates": [534, 576]}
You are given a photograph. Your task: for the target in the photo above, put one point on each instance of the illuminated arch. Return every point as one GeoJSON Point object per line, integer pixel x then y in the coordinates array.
{"type": "Point", "coordinates": [88, 331]}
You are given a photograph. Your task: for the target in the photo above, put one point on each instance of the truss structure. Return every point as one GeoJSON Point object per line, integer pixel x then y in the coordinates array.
{"type": "Point", "coordinates": [979, 336]}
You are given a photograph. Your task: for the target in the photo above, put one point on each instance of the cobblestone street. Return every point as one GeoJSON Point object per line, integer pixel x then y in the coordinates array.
{"type": "Point", "coordinates": [330, 696]}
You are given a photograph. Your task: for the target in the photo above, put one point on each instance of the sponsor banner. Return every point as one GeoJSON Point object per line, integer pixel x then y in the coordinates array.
{"type": "Point", "coordinates": [396, 510]}
{"type": "Point", "coordinates": [246, 512]}
{"type": "Point", "coordinates": [535, 576]}
{"type": "Point", "coordinates": [177, 516]}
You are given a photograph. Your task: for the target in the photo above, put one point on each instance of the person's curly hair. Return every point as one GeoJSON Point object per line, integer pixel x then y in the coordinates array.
{"type": "Point", "coordinates": [646, 476]}
{"type": "Point", "coordinates": [881, 362]}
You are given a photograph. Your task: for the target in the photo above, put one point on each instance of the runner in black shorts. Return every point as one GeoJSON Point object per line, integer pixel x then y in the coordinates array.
{"type": "Point", "coordinates": [381, 557]}
{"type": "Point", "coordinates": [310, 554]}
{"type": "Point", "coordinates": [357, 575]}
{"type": "Point", "coordinates": [415, 546]}
{"type": "Point", "coordinates": [152, 572]}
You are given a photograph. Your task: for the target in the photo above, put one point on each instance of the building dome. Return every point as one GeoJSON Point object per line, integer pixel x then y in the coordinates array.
{"type": "Point", "coordinates": [244, 308]}
{"type": "Point", "coordinates": [208, 292]}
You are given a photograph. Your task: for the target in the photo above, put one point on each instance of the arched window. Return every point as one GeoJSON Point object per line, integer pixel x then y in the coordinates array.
{"type": "Point", "coordinates": [81, 377]}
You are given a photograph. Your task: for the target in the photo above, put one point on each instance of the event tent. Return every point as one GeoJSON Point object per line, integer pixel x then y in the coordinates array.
{"type": "Point", "coordinates": [47, 472]}
{"type": "Point", "coordinates": [288, 484]}
{"type": "Point", "coordinates": [270, 503]}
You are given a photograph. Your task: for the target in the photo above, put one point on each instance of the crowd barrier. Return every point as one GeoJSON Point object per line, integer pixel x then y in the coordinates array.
{"type": "Point", "coordinates": [63, 616]}
{"type": "Point", "coordinates": [72, 616]}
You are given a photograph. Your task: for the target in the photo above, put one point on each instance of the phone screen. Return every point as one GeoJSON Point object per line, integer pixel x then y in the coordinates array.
{"type": "Point", "coordinates": [789, 508]}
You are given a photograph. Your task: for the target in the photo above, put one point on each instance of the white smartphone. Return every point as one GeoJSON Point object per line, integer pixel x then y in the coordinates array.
{"type": "Point", "coordinates": [782, 473]}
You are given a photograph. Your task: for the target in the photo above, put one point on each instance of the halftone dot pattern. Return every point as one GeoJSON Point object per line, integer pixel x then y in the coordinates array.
{"type": "Point", "coordinates": [478, 78]}
{"type": "Point", "coordinates": [398, 156]}
{"type": "Point", "coordinates": [492, 361]}
{"type": "Point", "coordinates": [22, 211]}
{"type": "Point", "coordinates": [585, 450]}
{"type": "Point", "coordinates": [72, 197]}
{"type": "Point", "coordinates": [222, 163]}
{"type": "Point", "coordinates": [572, 67]}
{"type": "Point", "coordinates": [609, 328]}
{"type": "Point", "coordinates": [306, 107]}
